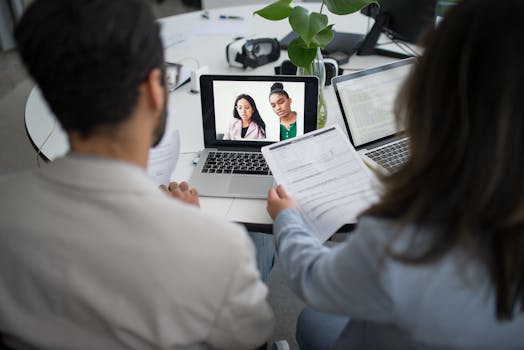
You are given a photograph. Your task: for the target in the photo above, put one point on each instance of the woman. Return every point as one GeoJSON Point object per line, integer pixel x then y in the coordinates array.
{"type": "Point", "coordinates": [281, 104]}
{"type": "Point", "coordinates": [438, 261]}
{"type": "Point", "coordinates": [246, 123]}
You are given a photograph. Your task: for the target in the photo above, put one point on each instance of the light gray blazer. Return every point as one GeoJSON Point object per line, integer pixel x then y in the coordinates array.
{"type": "Point", "coordinates": [234, 131]}
{"type": "Point", "coordinates": [443, 305]}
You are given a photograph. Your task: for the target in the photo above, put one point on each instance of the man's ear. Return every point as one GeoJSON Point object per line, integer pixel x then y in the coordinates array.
{"type": "Point", "coordinates": [156, 88]}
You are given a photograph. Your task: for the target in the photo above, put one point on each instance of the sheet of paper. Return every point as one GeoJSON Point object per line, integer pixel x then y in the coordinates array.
{"type": "Point", "coordinates": [175, 39]}
{"type": "Point", "coordinates": [325, 176]}
{"type": "Point", "coordinates": [163, 158]}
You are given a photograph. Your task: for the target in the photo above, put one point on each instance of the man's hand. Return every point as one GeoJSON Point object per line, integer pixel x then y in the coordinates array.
{"type": "Point", "coordinates": [182, 192]}
{"type": "Point", "coordinates": [278, 200]}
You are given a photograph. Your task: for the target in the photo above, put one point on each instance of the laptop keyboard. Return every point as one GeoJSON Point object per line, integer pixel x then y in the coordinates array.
{"type": "Point", "coordinates": [391, 156]}
{"type": "Point", "coordinates": [248, 163]}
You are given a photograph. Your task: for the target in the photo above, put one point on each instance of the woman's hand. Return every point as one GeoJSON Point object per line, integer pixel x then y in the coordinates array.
{"type": "Point", "coordinates": [182, 192]}
{"type": "Point", "coordinates": [278, 200]}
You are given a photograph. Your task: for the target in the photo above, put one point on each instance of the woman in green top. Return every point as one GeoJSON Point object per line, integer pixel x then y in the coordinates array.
{"type": "Point", "coordinates": [281, 104]}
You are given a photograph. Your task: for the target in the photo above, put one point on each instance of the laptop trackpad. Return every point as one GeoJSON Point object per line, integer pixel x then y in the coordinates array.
{"type": "Point", "coordinates": [250, 184]}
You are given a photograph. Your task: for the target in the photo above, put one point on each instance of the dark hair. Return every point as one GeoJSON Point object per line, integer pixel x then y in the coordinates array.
{"type": "Point", "coordinates": [89, 57]}
{"type": "Point", "coordinates": [278, 88]}
{"type": "Point", "coordinates": [255, 116]}
{"type": "Point", "coordinates": [464, 113]}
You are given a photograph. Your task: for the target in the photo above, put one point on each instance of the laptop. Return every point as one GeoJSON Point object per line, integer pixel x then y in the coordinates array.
{"type": "Point", "coordinates": [231, 164]}
{"type": "Point", "coordinates": [366, 100]}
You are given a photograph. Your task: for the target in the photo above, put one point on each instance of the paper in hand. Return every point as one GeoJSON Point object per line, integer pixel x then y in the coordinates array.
{"type": "Point", "coordinates": [163, 158]}
{"type": "Point", "coordinates": [325, 176]}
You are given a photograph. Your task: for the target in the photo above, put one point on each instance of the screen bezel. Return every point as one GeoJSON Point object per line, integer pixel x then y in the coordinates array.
{"type": "Point", "coordinates": [342, 78]}
{"type": "Point", "coordinates": [208, 107]}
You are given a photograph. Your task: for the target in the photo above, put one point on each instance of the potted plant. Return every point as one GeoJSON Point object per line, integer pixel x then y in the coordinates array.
{"type": "Point", "coordinates": [314, 33]}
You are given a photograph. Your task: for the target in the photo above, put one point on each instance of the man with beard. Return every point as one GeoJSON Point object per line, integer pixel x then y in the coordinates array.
{"type": "Point", "coordinates": [93, 254]}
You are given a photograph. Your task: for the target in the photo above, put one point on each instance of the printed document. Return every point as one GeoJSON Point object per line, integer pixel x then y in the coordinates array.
{"type": "Point", "coordinates": [325, 176]}
{"type": "Point", "coordinates": [163, 158]}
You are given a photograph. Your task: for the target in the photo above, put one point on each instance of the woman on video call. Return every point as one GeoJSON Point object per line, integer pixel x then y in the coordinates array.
{"type": "Point", "coordinates": [281, 105]}
{"type": "Point", "coordinates": [247, 122]}
{"type": "Point", "coordinates": [438, 261]}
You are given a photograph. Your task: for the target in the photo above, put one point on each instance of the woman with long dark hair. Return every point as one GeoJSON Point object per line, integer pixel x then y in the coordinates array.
{"type": "Point", "coordinates": [438, 261]}
{"type": "Point", "coordinates": [247, 122]}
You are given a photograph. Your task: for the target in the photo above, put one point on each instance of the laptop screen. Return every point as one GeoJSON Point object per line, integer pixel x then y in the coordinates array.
{"type": "Point", "coordinates": [366, 99]}
{"type": "Point", "coordinates": [257, 110]}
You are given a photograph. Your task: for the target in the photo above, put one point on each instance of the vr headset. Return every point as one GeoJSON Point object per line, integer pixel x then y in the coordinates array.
{"type": "Point", "coordinates": [252, 52]}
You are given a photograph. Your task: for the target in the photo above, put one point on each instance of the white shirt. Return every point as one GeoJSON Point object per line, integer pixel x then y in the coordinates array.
{"type": "Point", "coordinates": [95, 256]}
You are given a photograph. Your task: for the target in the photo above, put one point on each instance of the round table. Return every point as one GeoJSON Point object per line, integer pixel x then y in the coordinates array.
{"type": "Point", "coordinates": [202, 42]}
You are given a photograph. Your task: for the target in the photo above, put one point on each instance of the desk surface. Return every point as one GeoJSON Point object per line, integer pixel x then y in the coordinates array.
{"type": "Point", "coordinates": [203, 42]}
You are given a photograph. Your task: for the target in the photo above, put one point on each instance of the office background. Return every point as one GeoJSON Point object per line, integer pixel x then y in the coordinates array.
{"type": "Point", "coordinates": [17, 152]}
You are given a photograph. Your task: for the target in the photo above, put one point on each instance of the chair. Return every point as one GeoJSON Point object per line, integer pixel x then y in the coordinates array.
{"type": "Point", "coordinates": [2, 344]}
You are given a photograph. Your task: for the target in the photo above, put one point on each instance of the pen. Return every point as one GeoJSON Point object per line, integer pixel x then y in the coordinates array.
{"type": "Point", "coordinates": [230, 17]}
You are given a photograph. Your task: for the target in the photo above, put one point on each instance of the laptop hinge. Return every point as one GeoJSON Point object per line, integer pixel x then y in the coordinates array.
{"type": "Point", "coordinates": [239, 149]}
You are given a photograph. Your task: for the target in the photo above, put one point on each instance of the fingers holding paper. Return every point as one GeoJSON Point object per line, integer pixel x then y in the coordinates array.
{"type": "Point", "coordinates": [278, 200]}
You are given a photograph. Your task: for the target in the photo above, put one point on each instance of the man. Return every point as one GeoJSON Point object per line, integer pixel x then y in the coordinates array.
{"type": "Point", "coordinates": [93, 254]}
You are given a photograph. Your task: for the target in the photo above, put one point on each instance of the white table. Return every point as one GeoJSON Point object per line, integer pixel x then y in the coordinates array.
{"type": "Point", "coordinates": [206, 40]}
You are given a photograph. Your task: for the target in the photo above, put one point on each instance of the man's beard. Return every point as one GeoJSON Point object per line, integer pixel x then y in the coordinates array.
{"type": "Point", "coordinates": [160, 129]}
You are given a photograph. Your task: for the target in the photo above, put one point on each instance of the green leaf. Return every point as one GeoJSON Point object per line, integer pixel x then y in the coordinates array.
{"type": "Point", "coordinates": [276, 11]}
{"type": "Point", "coordinates": [307, 25]}
{"type": "Point", "coordinates": [345, 7]}
{"type": "Point", "coordinates": [323, 37]}
{"type": "Point", "coordinates": [299, 54]}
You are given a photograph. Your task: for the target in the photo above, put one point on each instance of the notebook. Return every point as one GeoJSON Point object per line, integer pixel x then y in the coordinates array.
{"type": "Point", "coordinates": [366, 99]}
{"type": "Point", "coordinates": [231, 164]}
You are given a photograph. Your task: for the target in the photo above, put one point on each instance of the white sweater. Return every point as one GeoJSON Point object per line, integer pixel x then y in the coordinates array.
{"type": "Point", "coordinates": [94, 256]}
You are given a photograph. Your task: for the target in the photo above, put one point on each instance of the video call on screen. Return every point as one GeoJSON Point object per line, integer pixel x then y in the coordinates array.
{"type": "Point", "coordinates": [226, 92]}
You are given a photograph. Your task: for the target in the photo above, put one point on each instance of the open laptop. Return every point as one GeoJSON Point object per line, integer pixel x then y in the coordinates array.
{"type": "Point", "coordinates": [366, 99]}
{"type": "Point", "coordinates": [232, 165]}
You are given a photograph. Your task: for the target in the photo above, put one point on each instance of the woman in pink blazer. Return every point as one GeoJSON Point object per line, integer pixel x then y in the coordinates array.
{"type": "Point", "coordinates": [247, 122]}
